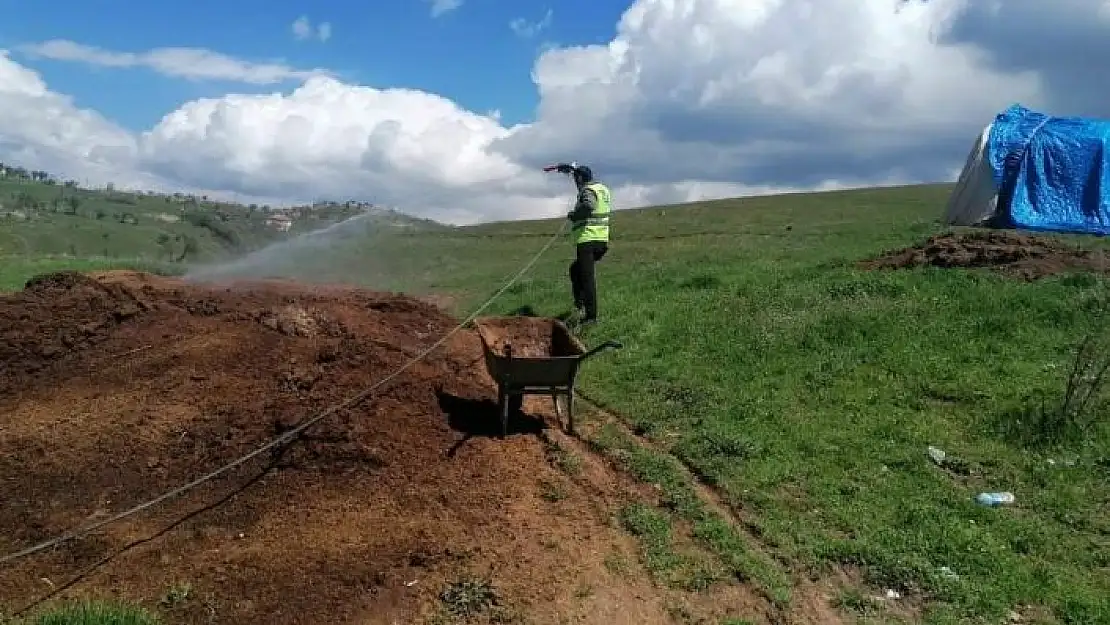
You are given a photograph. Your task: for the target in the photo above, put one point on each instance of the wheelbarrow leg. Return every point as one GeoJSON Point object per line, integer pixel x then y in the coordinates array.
{"type": "Point", "coordinates": [503, 404]}
{"type": "Point", "coordinates": [570, 411]}
{"type": "Point", "coordinates": [558, 406]}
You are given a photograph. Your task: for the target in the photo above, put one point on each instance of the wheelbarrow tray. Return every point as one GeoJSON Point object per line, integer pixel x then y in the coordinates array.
{"type": "Point", "coordinates": [531, 356]}
{"type": "Point", "coordinates": [519, 367]}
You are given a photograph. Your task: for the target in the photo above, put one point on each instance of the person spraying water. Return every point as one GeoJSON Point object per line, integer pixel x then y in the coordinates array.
{"type": "Point", "coordinates": [590, 229]}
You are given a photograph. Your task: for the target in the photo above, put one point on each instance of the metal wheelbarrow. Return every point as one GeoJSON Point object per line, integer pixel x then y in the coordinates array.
{"type": "Point", "coordinates": [518, 374]}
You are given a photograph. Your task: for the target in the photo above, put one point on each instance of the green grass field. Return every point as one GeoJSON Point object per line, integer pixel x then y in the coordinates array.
{"type": "Point", "coordinates": [807, 393]}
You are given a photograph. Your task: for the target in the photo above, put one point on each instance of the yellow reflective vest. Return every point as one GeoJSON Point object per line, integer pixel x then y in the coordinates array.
{"type": "Point", "coordinates": [590, 219]}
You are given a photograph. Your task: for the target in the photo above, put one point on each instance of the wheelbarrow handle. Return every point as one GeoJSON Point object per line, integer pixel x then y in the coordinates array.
{"type": "Point", "coordinates": [600, 348]}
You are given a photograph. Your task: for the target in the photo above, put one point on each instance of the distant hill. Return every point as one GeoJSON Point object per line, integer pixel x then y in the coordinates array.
{"type": "Point", "coordinates": [42, 216]}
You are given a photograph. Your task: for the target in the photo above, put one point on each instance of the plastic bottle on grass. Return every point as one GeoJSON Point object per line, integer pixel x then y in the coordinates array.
{"type": "Point", "coordinates": [995, 499]}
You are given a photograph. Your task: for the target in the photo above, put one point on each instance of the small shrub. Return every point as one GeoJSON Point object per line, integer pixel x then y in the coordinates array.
{"type": "Point", "coordinates": [176, 596]}
{"type": "Point", "coordinates": [617, 564]}
{"type": "Point", "coordinates": [551, 492]}
{"type": "Point", "coordinates": [569, 462]}
{"type": "Point", "coordinates": [468, 597]}
{"type": "Point", "coordinates": [1073, 413]}
{"type": "Point", "coordinates": [852, 600]}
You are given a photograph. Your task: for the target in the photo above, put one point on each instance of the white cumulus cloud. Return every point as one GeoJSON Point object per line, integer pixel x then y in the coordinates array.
{"type": "Point", "coordinates": [771, 92]}
{"type": "Point", "coordinates": [691, 99]}
{"type": "Point", "coordinates": [40, 126]}
{"type": "Point", "coordinates": [330, 138]}
{"type": "Point", "coordinates": [189, 63]}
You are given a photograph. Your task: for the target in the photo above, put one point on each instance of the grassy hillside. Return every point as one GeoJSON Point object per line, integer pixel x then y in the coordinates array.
{"type": "Point", "coordinates": [807, 392]}
{"type": "Point", "coordinates": [45, 224]}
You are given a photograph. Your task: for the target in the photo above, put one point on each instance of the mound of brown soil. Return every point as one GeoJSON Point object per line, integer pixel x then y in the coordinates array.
{"type": "Point", "coordinates": [118, 387]}
{"type": "Point", "coordinates": [1019, 255]}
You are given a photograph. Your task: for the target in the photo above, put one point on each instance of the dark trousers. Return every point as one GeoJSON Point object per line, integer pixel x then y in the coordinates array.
{"type": "Point", "coordinates": [583, 284]}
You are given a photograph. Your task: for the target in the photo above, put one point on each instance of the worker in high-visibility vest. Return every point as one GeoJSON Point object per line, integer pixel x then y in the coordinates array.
{"type": "Point", "coordinates": [590, 229]}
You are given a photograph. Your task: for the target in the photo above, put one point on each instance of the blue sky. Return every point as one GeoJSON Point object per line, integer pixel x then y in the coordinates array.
{"type": "Point", "coordinates": [469, 54]}
{"type": "Point", "coordinates": [668, 100]}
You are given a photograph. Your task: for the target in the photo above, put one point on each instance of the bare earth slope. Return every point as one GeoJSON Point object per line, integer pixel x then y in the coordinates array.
{"type": "Point", "coordinates": [117, 387]}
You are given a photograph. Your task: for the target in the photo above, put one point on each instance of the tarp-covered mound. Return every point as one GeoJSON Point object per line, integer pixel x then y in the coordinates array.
{"type": "Point", "coordinates": [117, 388]}
{"type": "Point", "coordinates": [1031, 171]}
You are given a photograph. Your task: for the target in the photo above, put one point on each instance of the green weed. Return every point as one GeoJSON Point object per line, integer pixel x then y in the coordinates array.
{"type": "Point", "coordinates": [177, 595]}
{"type": "Point", "coordinates": [666, 564]}
{"type": "Point", "coordinates": [617, 564]}
{"type": "Point", "coordinates": [679, 496]}
{"type": "Point", "coordinates": [552, 492]}
{"type": "Point", "coordinates": [468, 597]}
{"type": "Point", "coordinates": [93, 613]}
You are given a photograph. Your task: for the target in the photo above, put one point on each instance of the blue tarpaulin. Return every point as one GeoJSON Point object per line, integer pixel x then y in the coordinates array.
{"type": "Point", "coordinates": [1051, 173]}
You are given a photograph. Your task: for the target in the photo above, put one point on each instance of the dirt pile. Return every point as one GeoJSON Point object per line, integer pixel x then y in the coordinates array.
{"type": "Point", "coordinates": [1017, 255]}
{"type": "Point", "coordinates": [57, 314]}
{"type": "Point", "coordinates": [118, 387]}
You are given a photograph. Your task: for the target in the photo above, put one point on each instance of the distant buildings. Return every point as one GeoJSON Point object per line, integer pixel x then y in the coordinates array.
{"type": "Point", "coordinates": [279, 221]}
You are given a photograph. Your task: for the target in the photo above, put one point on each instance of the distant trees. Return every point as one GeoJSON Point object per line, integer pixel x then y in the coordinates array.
{"type": "Point", "coordinates": [189, 250]}
{"type": "Point", "coordinates": [27, 202]}
{"type": "Point", "coordinates": [21, 174]}
{"type": "Point", "coordinates": [216, 224]}
{"type": "Point", "coordinates": [72, 203]}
